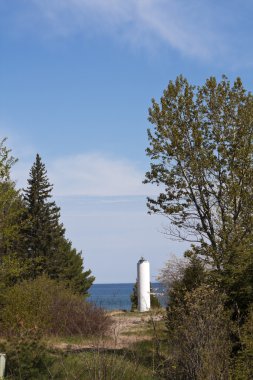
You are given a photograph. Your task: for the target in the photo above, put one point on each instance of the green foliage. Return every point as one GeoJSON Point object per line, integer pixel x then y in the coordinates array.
{"type": "Point", "coordinates": [13, 269]}
{"type": "Point", "coordinates": [201, 153]}
{"type": "Point", "coordinates": [11, 206]}
{"type": "Point", "coordinates": [44, 305]}
{"type": "Point", "coordinates": [100, 365]}
{"type": "Point", "coordinates": [44, 240]}
{"type": "Point", "coordinates": [243, 362]}
{"type": "Point", "coordinates": [189, 278]}
{"type": "Point", "coordinates": [27, 306]}
{"type": "Point", "coordinates": [27, 358]}
{"type": "Point", "coordinates": [30, 360]}
{"type": "Point", "coordinates": [134, 297]}
{"type": "Point", "coordinates": [44, 232]}
{"type": "Point", "coordinates": [11, 212]}
{"type": "Point", "coordinates": [69, 269]}
{"type": "Point", "coordinates": [6, 161]}
{"type": "Point", "coordinates": [183, 279]}
{"type": "Point", "coordinates": [198, 337]}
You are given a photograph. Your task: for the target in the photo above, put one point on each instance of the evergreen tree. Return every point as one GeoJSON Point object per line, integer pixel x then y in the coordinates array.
{"type": "Point", "coordinates": [45, 244]}
{"type": "Point", "coordinates": [134, 297]}
{"type": "Point", "coordinates": [44, 232]}
{"type": "Point", "coordinates": [70, 269]}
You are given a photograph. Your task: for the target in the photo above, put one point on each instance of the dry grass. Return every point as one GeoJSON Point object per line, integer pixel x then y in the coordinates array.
{"type": "Point", "coordinates": [127, 351]}
{"type": "Point", "coordinates": [126, 329]}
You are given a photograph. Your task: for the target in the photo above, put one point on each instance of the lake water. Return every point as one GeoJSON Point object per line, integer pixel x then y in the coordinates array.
{"type": "Point", "coordinates": [117, 296]}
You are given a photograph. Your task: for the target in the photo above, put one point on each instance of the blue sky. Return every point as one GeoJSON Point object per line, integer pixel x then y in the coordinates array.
{"type": "Point", "coordinates": [77, 78]}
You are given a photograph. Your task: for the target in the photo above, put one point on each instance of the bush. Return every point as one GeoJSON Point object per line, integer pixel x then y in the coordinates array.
{"type": "Point", "coordinates": [180, 276]}
{"type": "Point", "coordinates": [243, 363]}
{"type": "Point", "coordinates": [198, 337]}
{"type": "Point", "coordinates": [46, 306]}
{"type": "Point", "coordinates": [27, 358]}
{"type": "Point", "coordinates": [71, 315]}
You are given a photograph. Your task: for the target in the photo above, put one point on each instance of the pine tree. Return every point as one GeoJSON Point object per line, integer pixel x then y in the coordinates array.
{"type": "Point", "coordinates": [71, 270]}
{"type": "Point", "coordinates": [44, 240]}
{"type": "Point", "coordinates": [44, 232]}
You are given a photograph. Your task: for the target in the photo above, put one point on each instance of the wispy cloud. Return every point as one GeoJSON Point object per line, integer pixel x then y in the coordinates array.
{"type": "Point", "coordinates": [192, 27]}
{"type": "Point", "coordinates": [96, 175]}
{"type": "Point", "coordinates": [85, 174]}
{"type": "Point", "coordinates": [91, 174]}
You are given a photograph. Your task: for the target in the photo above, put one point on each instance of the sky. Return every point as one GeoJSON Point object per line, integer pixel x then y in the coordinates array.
{"type": "Point", "coordinates": [76, 81]}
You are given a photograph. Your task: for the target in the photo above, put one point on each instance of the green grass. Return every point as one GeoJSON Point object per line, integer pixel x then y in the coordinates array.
{"type": "Point", "coordinates": [74, 339]}
{"type": "Point", "coordinates": [92, 365]}
{"type": "Point", "coordinates": [98, 365]}
{"type": "Point", "coordinates": [137, 362]}
{"type": "Point", "coordinates": [53, 341]}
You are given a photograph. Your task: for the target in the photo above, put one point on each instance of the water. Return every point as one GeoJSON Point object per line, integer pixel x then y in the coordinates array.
{"type": "Point", "coordinates": [117, 296]}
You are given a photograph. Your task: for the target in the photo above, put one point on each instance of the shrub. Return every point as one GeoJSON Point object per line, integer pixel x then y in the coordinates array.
{"type": "Point", "coordinates": [46, 306]}
{"type": "Point", "coordinates": [243, 363]}
{"type": "Point", "coordinates": [198, 337]}
{"type": "Point", "coordinates": [72, 315]}
{"type": "Point", "coordinates": [27, 358]}
{"type": "Point", "coordinates": [180, 276]}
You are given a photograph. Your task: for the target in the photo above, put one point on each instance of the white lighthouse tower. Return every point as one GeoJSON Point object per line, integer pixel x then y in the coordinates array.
{"type": "Point", "coordinates": [143, 281]}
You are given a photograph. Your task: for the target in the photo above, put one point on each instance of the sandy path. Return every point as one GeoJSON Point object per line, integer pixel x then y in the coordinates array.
{"type": "Point", "coordinates": [126, 329]}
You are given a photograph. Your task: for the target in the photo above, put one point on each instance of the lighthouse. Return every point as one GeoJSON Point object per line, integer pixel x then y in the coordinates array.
{"type": "Point", "coordinates": [143, 281]}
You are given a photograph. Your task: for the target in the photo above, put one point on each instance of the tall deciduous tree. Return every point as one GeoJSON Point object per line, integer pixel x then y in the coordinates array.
{"type": "Point", "coordinates": [201, 153]}
{"type": "Point", "coordinates": [11, 206]}
{"type": "Point", "coordinates": [45, 243]}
